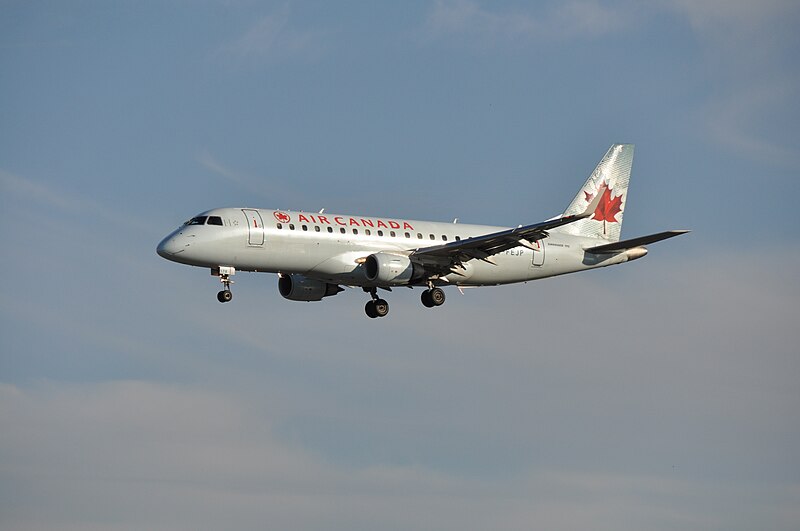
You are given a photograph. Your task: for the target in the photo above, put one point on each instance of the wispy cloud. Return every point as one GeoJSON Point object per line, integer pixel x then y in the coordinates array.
{"type": "Point", "coordinates": [482, 26]}
{"type": "Point", "coordinates": [257, 186]}
{"type": "Point", "coordinates": [739, 14]}
{"type": "Point", "coordinates": [273, 38]}
{"type": "Point", "coordinates": [17, 186]}
{"type": "Point", "coordinates": [239, 178]}
{"type": "Point", "coordinates": [748, 47]}
{"type": "Point", "coordinates": [735, 120]}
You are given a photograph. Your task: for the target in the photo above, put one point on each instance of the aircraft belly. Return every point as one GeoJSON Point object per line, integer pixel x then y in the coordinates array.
{"type": "Point", "coordinates": [514, 266]}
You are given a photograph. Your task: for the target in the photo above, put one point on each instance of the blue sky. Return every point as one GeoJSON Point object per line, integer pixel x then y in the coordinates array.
{"type": "Point", "coordinates": [658, 395]}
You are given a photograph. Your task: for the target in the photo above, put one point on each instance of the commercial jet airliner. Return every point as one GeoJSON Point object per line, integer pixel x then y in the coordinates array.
{"type": "Point", "coordinates": [316, 254]}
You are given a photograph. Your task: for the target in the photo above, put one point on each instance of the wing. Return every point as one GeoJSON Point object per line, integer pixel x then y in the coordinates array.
{"type": "Point", "coordinates": [442, 258]}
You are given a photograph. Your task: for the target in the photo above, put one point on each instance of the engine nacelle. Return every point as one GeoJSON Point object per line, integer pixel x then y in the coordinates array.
{"type": "Point", "coordinates": [391, 269]}
{"type": "Point", "coordinates": [300, 288]}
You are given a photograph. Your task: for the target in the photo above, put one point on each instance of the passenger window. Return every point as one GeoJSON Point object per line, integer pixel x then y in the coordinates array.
{"type": "Point", "coordinates": [330, 229]}
{"type": "Point", "coordinates": [419, 235]}
{"type": "Point", "coordinates": [380, 233]}
{"type": "Point", "coordinates": [433, 237]}
{"type": "Point", "coordinates": [316, 228]}
{"type": "Point", "coordinates": [355, 231]}
{"type": "Point", "coordinates": [279, 226]}
{"type": "Point", "coordinates": [392, 234]}
{"type": "Point", "coordinates": [342, 230]}
{"type": "Point", "coordinates": [408, 235]}
{"type": "Point", "coordinates": [367, 232]}
{"type": "Point", "coordinates": [291, 226]}
{"type": "Point", "coordinates": [305, 227]}
{"type": "Point", "coordinates": [458, 238]}
{"type": "Point", "coordinates": [444, 237]}
{"type": "Point", "coordinates": [214, 220]}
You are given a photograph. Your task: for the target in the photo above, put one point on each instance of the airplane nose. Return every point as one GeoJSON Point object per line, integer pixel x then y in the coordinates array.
{"type": "Point", "coordinates": [169, 247]}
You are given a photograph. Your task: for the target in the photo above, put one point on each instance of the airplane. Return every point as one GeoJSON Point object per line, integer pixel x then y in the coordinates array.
{"type": "Point", "coordinates": [316, 254]}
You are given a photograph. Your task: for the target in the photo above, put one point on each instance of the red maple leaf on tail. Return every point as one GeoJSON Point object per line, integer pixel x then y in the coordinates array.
{"type": "Point", "coordinates": [608, 208]}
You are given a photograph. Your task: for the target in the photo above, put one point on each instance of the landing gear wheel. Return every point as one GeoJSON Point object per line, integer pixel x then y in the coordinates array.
{"type": "Point", "coordinates": [426, 299]}
{"type": "Point", "coordinates": [376, 307]}
{"type": "Point", "coordinates": [432, 297]}
{"type": "Point", "coordinates": [225, 295]}
{"type": "Point", "coordinates": [381, 307]}
{"type": "Point", "coordinates": [437, 296]}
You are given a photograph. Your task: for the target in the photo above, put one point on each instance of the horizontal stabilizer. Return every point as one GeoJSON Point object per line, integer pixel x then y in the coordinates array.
{"type": "Point", "coordinates": [635, 242]}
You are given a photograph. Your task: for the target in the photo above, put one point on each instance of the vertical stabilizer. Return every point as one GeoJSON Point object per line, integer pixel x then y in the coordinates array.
{"type": "Point", "coordinates": [610, 179]}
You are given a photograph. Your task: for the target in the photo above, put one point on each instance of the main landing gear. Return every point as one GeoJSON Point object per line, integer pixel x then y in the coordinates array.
{"type": "Point", "coordinates": [377, 307]}
{"type": "Point", "coordinates": [432, 297]}
{"type": "Point", "coordinates": [224, 273]}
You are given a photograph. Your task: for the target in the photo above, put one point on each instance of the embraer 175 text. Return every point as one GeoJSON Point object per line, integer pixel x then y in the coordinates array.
{"type": "Point", "coordinates": [315, 254]}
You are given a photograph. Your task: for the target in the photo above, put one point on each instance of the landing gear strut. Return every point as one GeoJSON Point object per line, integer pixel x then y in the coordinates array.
{"type": "Point", "coordinates": [376, 307]}
{"type": "Point", "coordinates": [432, 297]}
{"type": "Point", "coordinates": [224, 273]}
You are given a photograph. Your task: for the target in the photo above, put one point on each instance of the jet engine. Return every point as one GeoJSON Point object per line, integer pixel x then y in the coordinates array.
{"type": "Point", "coordinates": [391, 269]}
{"type": "Point", "coordinates": [300, 288]}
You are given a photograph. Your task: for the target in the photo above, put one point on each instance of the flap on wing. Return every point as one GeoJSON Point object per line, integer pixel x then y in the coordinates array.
{"type": "Point", "coordinates": [635, 242]}
{"type": "Point", "coordinates": [484, 246]}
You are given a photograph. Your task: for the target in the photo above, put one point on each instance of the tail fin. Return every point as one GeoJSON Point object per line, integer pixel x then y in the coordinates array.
{"type": "Point", "coordinates": [610, 178]}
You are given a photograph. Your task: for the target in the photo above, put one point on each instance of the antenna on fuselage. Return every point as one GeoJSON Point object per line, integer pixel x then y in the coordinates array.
{"type": "Point", "coordinates": [321, 211]}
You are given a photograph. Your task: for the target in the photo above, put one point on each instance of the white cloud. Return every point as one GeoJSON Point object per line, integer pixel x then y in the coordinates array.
{"type": "Point", "coordinates": [275, 190]}
{"type": "Point", "coordinates": [32, 190]}
{"type": "Point", "coordinates": [740, 14]}
{"type": "Point", "coordinates": [236, 177]}
{"type": "Point", "coordinates": [750, 49]}
{"type": "Point", "coordinates": [16, 187]}
{"type": "Point", "coordinates": [481, 26]}
{"type": "Point", "coordinates": [739, 119]}
{"type": "Point", "coordinates": [134, 455]}
{"type": "Point", "coordinates": [747, 52]}
{"type": "Point", "coordinates": [272, 38]}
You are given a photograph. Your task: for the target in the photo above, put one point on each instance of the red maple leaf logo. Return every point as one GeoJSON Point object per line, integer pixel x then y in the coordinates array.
{"type": "Point", "coordinates": [282, 217]}
{"type": "Point", "coordinates": [608, 208]}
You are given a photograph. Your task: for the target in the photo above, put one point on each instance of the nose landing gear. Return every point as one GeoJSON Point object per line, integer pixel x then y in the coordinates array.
{"type": "Point", "coordinates": [224, 273]}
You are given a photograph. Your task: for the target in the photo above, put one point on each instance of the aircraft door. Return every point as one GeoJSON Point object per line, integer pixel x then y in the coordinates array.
{"type": "Point", "coordinates": [255, 226]}
{"type": "Point", "coordinates": [538, 254]}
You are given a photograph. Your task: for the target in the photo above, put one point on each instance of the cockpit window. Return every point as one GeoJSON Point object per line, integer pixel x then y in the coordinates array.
{"type": "Point", "coordinates": [214, 220]}
{"type": "Point", "coordinates": [199, 220]}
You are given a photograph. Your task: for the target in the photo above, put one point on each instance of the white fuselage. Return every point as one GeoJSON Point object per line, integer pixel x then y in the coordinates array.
{"type": "Point", "coordinates": [316, 254]}
{"type": "Point", "coordinates": [332, 248]}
